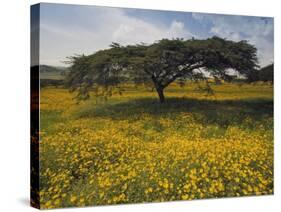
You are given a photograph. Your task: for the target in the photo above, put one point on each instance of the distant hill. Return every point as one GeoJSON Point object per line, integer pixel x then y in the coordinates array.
{"type": "Point", "coordinates": [53, 72]}
{"type": "Point", "coordinates": [52, 75]}
{"type": "Point", "coordinates": [266, 73]}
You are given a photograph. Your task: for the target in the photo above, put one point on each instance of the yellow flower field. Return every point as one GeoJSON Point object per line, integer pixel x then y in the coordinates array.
{"type": "Point", "coordinates": [132, 149]}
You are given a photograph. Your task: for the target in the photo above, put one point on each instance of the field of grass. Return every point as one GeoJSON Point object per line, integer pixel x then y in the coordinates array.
{"type": "Point", "coordinates": [133, 149]}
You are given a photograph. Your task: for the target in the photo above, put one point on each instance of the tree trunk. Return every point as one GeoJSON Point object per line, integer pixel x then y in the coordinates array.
{"type": "Point", "coordinates": [159, 88]}
{"type": "Point", "coordinates": [160, 92]}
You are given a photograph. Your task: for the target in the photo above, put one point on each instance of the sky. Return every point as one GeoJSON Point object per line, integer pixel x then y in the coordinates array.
{"type": "Point", "coordinates": [66, 30]}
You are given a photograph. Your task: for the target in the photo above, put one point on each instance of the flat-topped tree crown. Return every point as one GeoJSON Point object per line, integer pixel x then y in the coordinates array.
{"type": "Point", "coordinates": [161, 63]}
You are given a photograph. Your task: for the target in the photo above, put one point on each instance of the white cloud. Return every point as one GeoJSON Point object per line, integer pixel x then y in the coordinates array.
{"type": "Point", "coordinates": [258, 31]}
{"type": "Point", "coordinates": [97, 27]}
{"type": "Point", "coordinates": [106, 26]}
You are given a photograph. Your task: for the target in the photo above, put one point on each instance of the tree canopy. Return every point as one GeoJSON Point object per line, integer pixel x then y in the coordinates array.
{"type": "Point", "coordinates": [160, 63]}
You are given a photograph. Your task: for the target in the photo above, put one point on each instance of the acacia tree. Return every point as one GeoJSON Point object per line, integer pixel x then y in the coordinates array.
{"type": "Point", "coordinates": [161, 63]}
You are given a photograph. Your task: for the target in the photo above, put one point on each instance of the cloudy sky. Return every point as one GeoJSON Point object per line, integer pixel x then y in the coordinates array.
{"type": "Point", "coordinates": [66, 30]}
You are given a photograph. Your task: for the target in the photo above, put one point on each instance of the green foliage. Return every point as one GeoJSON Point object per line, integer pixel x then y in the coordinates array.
{"type": "Point", "coordinates": [159, 64]}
